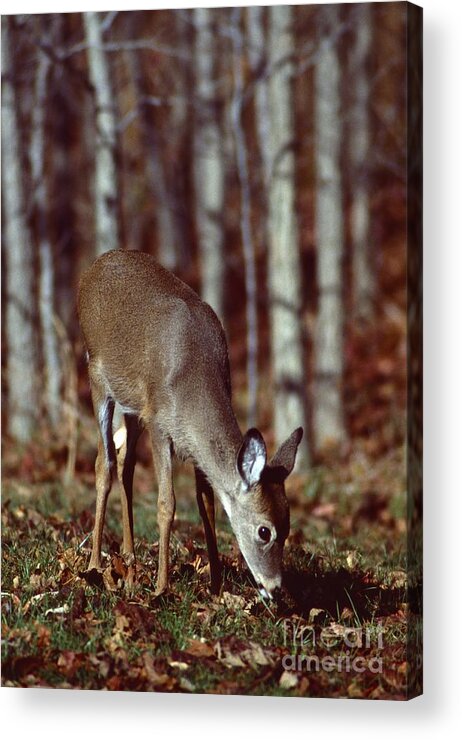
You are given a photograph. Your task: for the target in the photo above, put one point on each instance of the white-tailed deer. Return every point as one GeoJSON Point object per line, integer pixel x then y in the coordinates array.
{"type": "Point", "coordinates": [159, 352]}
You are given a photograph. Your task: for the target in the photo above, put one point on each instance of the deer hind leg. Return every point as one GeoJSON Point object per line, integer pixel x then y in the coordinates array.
{"type": "Point", "coordinates": [205, 502]}
{"type": "Point", "coordinates": [162, 453]}
{"type": "Point", "coordinates": [126, 460]}
{"type": "Point", "coordinates": [104, 467]}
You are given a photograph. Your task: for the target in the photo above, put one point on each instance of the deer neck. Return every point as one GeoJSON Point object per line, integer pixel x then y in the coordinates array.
{"type": "Point", "coordinates": [217, 452]}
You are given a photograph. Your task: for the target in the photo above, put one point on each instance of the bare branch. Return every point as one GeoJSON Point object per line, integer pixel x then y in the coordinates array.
{"type": "Point", "coordinates": [107, 22]}
{"type": "Point", "coordinates": [117, 46]}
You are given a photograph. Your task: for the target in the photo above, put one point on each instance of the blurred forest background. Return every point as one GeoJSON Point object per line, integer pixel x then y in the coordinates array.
{"type": "Point", "coordinates": [265, 155]}
{"type": "Point", "coordinates": [260, 154]}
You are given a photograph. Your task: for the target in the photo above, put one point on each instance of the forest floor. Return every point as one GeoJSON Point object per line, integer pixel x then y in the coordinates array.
{"type": "Point", "coordinates": [339, 629]}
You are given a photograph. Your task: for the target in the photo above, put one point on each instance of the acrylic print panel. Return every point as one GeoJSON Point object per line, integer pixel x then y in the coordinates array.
{"type": "Point", "coordinates": [270, 158]}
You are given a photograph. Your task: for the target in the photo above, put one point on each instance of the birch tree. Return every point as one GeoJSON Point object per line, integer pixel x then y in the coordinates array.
{"type": "Point", "coordinates": [359, 146]}
{"type": "Point", "coordinates": [51, 358]}
{"type": "Point", "coordinates": [106, 195]}
{"type": "Point", "coordinates": [246, 227]}
{"type": "Point", "coordinates": [180, 123]}
{"type": "Point", "coordinates": [208, 166]}
{"type": "Point", "coordinates": [22, 362]}
{"type": "Point", "coordinates": [283, 249]}
{"type": "Point", "coordinates": [258, 52]}
{"type": "Point", "coordinates": [328, 421]}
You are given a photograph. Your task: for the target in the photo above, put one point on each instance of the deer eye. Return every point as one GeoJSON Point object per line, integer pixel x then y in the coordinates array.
{"type": "Point", "coordinates": [264, 533]}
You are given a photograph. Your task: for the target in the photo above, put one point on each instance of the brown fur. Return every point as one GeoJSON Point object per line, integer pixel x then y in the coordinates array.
{"type": "Point", "coordinates": [160, 353]}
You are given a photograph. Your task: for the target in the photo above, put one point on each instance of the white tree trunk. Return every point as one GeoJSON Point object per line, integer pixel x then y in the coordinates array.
{"type": "Point", "coordinates": [258, 63]}
{"type": "Point", "coordinates": [246, 227]}
{"type": "Point", "coordinates": [284, 265]}
{"type": "Point", "coordinates": [51, 360]}
{"type": "Point", "coordinates": [180, 121]}
{"type": "Point", "coordinates": [22, 365]}
{"type": "Point", "coordinates": [209, 170]}
{"type": "Point", "coordinates": [106, 197]}
{"type": "Point", "coordinates": [327, 397]}
{"type": "Point", "coordinates": [363, 276]}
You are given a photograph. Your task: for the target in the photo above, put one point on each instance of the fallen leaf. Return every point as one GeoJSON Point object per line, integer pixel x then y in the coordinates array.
{"type": "Point", "coordinates": [353, 559]}
{"type": "Point", "coordinates": [186, 685]}
{"type": "Point", "coordinates": [43, 635]}
{"type": "Point", "coordinates": [39, 597]}
{"type": "Point", "coordinates": [288, 680]}
{"type": "Point", "coordinates": [256, 656]}
{"type": "Point", "coordinates": [317, 616]}
{"type": "Point", "coordinates": [180, 664]}
{"type": "Point", "coordinates": [231, 660]}
{"type": "Point", "coordinates": [58, 610]}
{"type": "Point", "coordinates": [304, 685]}
{"type": "Point", "coordinates": [154, 677]}
{"type": "Point", "coordinates": [115, 683]}
{"type": "Point", "coordinates": [69, 662]}
{"type": "Point", "coordinates": [121, 623]}
{"type": "Point", "coordinates": [200, 649]}
{"type": "Point", "coordinates": [234, 601]}
{"type": "Point", "coordinates": [140, 620]}
{"type": "Point", "coordinates": [398, 579]}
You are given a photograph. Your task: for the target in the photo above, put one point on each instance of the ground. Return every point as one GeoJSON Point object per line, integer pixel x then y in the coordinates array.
{"type": "Point", "coordinates": [339, 628]}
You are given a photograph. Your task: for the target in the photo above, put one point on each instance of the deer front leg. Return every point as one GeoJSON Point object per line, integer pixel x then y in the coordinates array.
{"type": "Point", "coordinates": [165, 503]}
{"type": "Point", "coordinates": [205, 502]}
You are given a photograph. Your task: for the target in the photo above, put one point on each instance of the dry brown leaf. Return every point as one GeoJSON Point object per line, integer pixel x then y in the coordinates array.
{"type": "Point", "coordinates": [69, 662]}
{"type": "Point", "coordinates": [304, 685]}
{"type": "Point", "coordinates": [43, 635]}
{"type": "Point", "coordinates": [200, 649]}
{"type": "Point", "coordinates": [37, 580]}
{"type": "Point", "coordinates": [154, 677]}
{"type": "Point", "coordinates": [121, 623]}
{"type": "Point", "coordinates": [111, 583]}
{"type": "Point", "coordinates": [199, 566]}
{"type": "Point", "coordinates": [316, 615]}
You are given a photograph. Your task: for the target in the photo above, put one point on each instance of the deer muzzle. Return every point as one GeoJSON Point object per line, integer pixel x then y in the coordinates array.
{"type": "Point", "coordinates": [267, 586]}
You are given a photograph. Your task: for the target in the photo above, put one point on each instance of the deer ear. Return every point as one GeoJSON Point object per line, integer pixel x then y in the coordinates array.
{"type": "Point", "coordinates": [251, 458]}
{"type": "Point", "coordinates": [283, 461]}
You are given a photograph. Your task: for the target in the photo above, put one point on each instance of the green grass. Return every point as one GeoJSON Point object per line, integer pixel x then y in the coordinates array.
{"type": "Point", "coordinates": [345, 569]}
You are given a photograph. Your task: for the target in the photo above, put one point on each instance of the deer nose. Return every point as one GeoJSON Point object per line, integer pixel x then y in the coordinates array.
{"type": "Point", "coordinates": [268, 586]}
